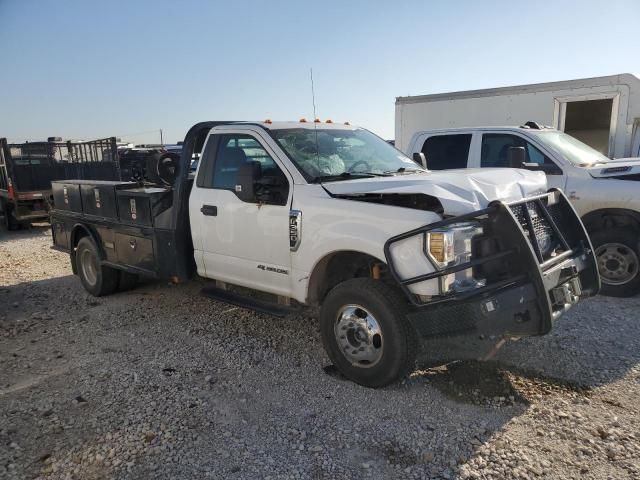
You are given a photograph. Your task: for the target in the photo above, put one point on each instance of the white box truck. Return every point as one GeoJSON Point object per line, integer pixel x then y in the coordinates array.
{"type": "Point", "coordinates": [603, 112]}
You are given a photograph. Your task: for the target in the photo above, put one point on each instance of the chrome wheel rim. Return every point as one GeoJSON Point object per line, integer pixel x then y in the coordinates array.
{"type": "Point", "coordinates": [89, 267]}
{"type": "Point", "coordinates": [359, 336]}
{"type": "Point", "coordinates": [617, 263]}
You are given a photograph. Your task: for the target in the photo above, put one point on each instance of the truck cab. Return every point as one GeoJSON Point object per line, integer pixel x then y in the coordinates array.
{"type": "Point", "coordinates": [604, 192]}
{"type": "Point", "coordinates": [400, 261]}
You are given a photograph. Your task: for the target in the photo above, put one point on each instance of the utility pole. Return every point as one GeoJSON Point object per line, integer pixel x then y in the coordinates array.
{"type": "Point", "coordinates": [161, 142]}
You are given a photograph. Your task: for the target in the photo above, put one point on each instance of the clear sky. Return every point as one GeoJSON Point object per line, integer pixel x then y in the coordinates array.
{"type": "Point", "coordinates": [90, 68]}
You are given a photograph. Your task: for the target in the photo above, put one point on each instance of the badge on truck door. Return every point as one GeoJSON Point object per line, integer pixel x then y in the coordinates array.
{"type": "Point", "coordinates": [132, 207]}
{"type": "Point", "coordinates": [295, 229]}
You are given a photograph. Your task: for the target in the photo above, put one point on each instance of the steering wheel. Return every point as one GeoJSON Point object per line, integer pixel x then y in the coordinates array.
{"type": "Point", "coordinates": [352, 169]}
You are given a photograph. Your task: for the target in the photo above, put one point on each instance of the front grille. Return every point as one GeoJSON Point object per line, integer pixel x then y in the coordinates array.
{"type": "Point", "coordinates": [540, 229]}
{"type": "Point", "coordinates": [518, 237]}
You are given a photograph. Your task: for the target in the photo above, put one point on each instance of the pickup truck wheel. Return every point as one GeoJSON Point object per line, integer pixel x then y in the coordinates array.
{"type": "Point", "coordinates": [366, 334]}
{"type": "Point", "coordinates": [618, 255]}
{"type": "Point", "coordinates": [96, 279]}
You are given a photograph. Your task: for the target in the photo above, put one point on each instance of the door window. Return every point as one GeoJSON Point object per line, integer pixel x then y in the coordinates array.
{"type": "Point", "coordinates": [495, 150]}
{"type": "Point", "coordinates": [534, 155]}
{"type": "Point", "coordinates": [235, 156]}
{"type": "Point", "coordinates": [447, 151]}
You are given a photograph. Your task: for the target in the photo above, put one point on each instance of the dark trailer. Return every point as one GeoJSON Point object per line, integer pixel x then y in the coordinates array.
{"type": "Point", "coordinates": [27, 170]}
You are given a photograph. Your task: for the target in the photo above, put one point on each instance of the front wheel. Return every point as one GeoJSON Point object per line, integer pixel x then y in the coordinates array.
{"type": "Point", "coordinates": [96, 279]}
{"type": "Point", "coordinates": [366, 334]}
{"type": "Point", "coordinates": [618, 255]}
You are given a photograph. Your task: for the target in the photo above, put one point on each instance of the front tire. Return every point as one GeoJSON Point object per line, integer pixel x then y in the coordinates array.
{"type": "Point", "coordinates": [618, 255]}
{"type": "Point", "coordinates": [366, 334]}
{"type": "Point", "coordinates": [96, 279]}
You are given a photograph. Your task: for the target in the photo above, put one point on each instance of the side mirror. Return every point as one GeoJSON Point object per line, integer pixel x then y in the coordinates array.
{"type": "Point", "coordinates": [517, 157]}
{"type": "Point", "coordinates": [420, 159]}
{"type": "Point", "coordinates": [248, 174]}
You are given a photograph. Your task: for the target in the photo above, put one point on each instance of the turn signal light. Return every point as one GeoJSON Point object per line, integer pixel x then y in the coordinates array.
{"type": "Point", "coordinates": [437, 247]}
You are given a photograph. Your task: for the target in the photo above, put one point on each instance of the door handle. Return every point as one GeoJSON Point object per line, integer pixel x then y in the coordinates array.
{"type": "Point", "coordinates": [209, 210]}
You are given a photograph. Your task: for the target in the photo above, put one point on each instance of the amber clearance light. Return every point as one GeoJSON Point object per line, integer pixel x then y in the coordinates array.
{"type": "Point", "coordinates": [437, 247]}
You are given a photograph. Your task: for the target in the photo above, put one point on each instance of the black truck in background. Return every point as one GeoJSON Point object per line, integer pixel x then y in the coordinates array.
{"type": "Point", "coordinates": [27, 170]}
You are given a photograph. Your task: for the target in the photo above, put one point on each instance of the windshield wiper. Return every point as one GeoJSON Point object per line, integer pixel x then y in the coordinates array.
{"type": "Point", "coordinates": [348, 176]}
{"type": "Point", "coordinates": [405, 170]}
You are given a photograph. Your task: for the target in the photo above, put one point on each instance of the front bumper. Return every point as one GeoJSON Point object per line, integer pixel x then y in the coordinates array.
{"type": "Point", "coordinates": [526, 288]}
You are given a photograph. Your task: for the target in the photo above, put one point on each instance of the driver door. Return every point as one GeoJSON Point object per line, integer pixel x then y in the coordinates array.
{"type": "Point", "coordinates": [243, 241]}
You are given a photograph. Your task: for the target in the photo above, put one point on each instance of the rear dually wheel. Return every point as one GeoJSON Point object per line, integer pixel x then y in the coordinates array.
{"type": "Point", "coordinates": [97, 279]}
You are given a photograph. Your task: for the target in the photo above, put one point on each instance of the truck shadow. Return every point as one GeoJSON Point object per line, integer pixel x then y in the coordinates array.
{"type": "Point", "coordinates": [596, 343]}
{"type": "Point", "coordinates": [32, 231]}
{"type": "Point", "coordinates": [593, 345]}
{"type": "Point", "coordinates": [495, 384]}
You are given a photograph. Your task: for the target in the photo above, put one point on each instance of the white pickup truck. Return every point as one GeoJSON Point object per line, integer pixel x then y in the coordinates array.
{"type": "Point", "coordinates": [604, 192]}
{"type": "Point", "coordinates": [400, 260]}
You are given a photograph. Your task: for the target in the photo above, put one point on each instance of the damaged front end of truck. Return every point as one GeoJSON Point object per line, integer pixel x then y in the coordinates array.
{"type": "Point", "coordinates": [505, 271]}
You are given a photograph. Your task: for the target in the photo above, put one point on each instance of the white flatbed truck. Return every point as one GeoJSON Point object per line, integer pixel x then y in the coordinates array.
{"type": "Point", "coordinates": [401, 261]}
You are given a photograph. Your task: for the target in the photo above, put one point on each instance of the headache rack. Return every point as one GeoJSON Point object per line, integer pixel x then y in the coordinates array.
{"type": "Point", "coordinates": [33, 165]}
{"type": "Point", "coordinates": [525, 241]}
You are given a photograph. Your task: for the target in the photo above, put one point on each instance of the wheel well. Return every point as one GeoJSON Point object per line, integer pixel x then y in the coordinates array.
{"type": "Point", "coordinates": [611, 218]}
{"type": "Point", "coordinates": [77, 233]}
{"type": "Point", "coordinates": [337, 267]}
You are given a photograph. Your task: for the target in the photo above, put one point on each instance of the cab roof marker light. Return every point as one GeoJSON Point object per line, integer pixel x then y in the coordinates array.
{"type": "Point", "coordinates": [268, 120]}
{"type": "Point", "coordinates": [317, 120]}
{"type": "Point", "coordinates": [347, 123]}
{"type": "Point", "coordinates": [329, 121]}
{"type": "Point", "coordinates": [303, 120]}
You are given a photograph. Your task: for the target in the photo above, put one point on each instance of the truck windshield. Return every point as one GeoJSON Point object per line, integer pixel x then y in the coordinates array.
{"type": "Point", "coordinates": [330, 154]}
{"type": "Point", "coordinates": [572, 149]}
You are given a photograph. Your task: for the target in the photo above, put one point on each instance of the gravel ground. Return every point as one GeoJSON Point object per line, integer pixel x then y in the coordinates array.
{"type": "Point", "coordinates": [160, 382]}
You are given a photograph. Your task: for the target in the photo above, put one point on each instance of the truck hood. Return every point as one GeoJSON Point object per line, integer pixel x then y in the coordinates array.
{"type": "Point", "coordinates": [619, 167]}
{"type": "Point", "coordinates": [459, 191]}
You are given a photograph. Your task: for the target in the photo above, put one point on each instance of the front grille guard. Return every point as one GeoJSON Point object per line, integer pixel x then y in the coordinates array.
{"type": "Point", "coordinates": [520, 234]}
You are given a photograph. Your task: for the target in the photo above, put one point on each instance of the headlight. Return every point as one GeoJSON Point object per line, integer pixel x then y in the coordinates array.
{"type": "Point", "coordinates": [451, 246]}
